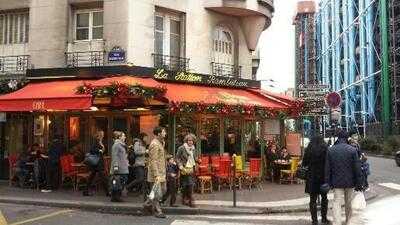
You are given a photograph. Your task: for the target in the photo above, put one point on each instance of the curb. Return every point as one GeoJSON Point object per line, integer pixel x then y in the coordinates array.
{"type": "Point", "coordinates": [380, 156]}
{"type": "Point", "coordinates": [135, 209]}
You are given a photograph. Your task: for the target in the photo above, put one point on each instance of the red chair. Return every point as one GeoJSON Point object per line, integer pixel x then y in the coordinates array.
{"type": "Point", "coordinates": [203, 167]}
{"type": "Point", "coordinates": [67, 171]}
{"type": "Point", "coordinates": [215, 163]}
{"type": "Point", "coordinates": [223, 176]}
{"type": "Point", "coordinates": [254, 176]}
{"type": "Point", "coordinates": [225, 156]}
{"type": "Point", "coordinates": [12, 162]}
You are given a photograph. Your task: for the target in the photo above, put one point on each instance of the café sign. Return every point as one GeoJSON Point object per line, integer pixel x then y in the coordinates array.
{"type": "Point", "coordinates": [188, 77]}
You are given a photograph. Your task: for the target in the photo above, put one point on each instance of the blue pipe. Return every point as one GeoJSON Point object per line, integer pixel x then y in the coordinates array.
{"type": "Point", "coordinates": [363, 69]}
{"type": "Point", "coordinates": [337, 45]}
{"type": "Point", "coordinates": [352, 60]}
{"type": "Point", "coordinates": [333, 48]}
{"type": "Point", "coordinates": [370, 61]}
{"type": "Point", "coordinates": [346, 63]}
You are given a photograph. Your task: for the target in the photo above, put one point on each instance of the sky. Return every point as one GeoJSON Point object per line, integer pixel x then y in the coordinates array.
{"type": "Point", "coordinates": [277, 52]}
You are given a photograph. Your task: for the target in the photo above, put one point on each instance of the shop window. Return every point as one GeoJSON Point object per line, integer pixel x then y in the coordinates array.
{"type": "Point", "coordinates": [233, 137]}
{"type": "Point", "coordinates": [210, 135]}
{"type": "Point", "coordinates": [184, 125]}
{"type": "Point", "coordinates": [14, 28]}
{"type": "Point", "coordinates": [252, 142]}
{"type": "Point", "coordinates": [120, 124]}
{"type": "Point", "coordinates": [38, 129]}
{"type": "Point", "coordinates": [101, 124]}
{"type": "Point", "coordinates": [88, 25]}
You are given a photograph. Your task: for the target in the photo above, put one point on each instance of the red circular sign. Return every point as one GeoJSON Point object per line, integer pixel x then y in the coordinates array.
{"type": "Point", "coordinates": [333, 99]}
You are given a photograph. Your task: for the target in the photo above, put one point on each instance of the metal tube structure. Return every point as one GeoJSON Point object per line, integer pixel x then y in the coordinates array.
{"type": "Point", "coordinates": [385, 68]}
{"type": "Point", "coordinates": [363, 65]}
{"type": "Point", "coordinates": [350, 58]}
{"type": "Point", "coordinates": [370, 60]}
{"type": "Point", "coordinates": [304, 21]}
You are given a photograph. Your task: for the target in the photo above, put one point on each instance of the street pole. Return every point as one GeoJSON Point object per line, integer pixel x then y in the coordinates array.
{"type": "Point", "coordinates": [234, 179]}
{"type": "Point", "coordinates": [385, 68]}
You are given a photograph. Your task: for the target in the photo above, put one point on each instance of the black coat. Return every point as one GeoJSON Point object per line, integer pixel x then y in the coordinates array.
{"type": "Point", "coordinates": [98, 149]}
{"type": "Point", "coordinates": [343, 166]}
{"type": "Point", "coordinates": [314, 159]}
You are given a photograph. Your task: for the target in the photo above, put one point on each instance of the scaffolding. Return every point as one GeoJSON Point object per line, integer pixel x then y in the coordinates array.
{"type": "Point", "coordinates": [395, 61]}
{"type": "Point", "coordinates": [352, 58]}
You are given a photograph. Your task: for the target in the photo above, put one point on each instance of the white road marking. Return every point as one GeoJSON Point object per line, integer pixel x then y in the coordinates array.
{"type": "Point", "coordinates": [391, 185]}
{"type": "Point", "coordinates": [292, 202]}
{"type": "Point", "coordinates": [252, 217]}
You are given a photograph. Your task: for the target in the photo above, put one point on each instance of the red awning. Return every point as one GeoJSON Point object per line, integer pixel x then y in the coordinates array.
{"type": "Point", "coordinates": [187, 93]}
{"type": "Point", "coordinates": [54, 95]}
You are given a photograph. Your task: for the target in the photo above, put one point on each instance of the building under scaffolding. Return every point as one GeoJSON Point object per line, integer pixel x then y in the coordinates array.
{"type": "Point", "coordinates": [353, 59]}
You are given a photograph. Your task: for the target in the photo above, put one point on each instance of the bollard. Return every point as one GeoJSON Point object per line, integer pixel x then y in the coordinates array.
{"type": "Point", "coordinates": [234, 179]}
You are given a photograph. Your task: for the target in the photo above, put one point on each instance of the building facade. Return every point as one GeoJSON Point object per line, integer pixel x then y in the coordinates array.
{"type": "Point", "coordinates": [208, 37]}
{"type": "Point", "coordinates": [200, 52]}
{"type": "Point", "coordinates": [305, 51]}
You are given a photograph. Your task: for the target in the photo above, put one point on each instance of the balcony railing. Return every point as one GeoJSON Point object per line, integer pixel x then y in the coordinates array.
{"type": "Point", "coordinates": [17, 64]}
{"type": "Point", "coordinates": [226, 70]}
{"type": "Point", "coordinates": [173, 63]}
{"type": "Point", "coordinates": [85, 59]}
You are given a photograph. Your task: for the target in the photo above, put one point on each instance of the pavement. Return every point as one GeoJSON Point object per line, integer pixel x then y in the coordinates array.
{"type": "Point", "coordinates": [272, 198]}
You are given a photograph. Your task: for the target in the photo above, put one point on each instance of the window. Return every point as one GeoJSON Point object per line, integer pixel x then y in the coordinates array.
{"type": "Point", "coordinates": [168, 34]}
{"type": "Point", "coordinates": [14, 28]}
{"type": "Point", "coordinates": [89, 25]}
{"type": "Point", "coordinates": [223, 46]}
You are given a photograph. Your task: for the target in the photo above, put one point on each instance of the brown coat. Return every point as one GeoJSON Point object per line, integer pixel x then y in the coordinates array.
{"type": "Point", "coordinates": [156, 165]}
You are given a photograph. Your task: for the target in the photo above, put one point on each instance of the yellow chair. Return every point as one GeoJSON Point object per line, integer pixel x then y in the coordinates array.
{"type": "Point", "coordinates": [289, 175]}
{"type": "Point", "coordinates": [239, 170]}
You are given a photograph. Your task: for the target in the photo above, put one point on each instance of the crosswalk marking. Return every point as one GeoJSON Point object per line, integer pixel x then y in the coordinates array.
{"type": "Point", "coordinates": [252, 217]}
{"type": "Point", "coordinates": [43, 217]}
{"type": "Point", "coordinates": [391, 185]}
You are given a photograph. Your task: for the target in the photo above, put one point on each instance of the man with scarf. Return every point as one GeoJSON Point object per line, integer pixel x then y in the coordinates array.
{"type": "Point", "coordinates": [186, 159]}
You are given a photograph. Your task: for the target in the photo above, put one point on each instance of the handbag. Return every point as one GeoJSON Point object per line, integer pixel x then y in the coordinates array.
{"type": "Point", "coordinates": [302, 172]}
{"type": "Point", "coordinates": [358, 202]}
{"type": "Point", "coordinates": [156, 191]}
{"type": "Point", "coordinates": [91, 160]}
{"type": "Point", "coordinates": [324, 189]}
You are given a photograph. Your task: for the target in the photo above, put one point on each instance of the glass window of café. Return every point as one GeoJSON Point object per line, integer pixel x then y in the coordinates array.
{"type": "Point", "coordinates": [78, 142]}
{"type": "Point", "coordinates": [185, 124]}
{"type": "Point", "coordinates": [233, 137]}
{"type": "Point", "coordinates": [210, 135]}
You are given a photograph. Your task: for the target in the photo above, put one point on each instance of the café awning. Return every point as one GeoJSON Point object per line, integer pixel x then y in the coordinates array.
{"type": "Point", "coordinates": [53, 95]}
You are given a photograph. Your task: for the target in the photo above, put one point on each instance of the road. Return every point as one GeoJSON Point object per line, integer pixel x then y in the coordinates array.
{"type": "Point", "coordinates": [34, 215]}
{"type": "Point", "coordinates": [385, 180]}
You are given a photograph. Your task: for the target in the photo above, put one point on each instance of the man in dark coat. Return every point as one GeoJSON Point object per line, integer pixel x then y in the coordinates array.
{"type": "Point", "coordinates": [314, 160]}
{"type": "Point", "coordinates": [343, 174]}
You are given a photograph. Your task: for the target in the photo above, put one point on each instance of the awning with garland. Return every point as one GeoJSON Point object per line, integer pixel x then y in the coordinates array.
{"type": "Point", "coordinates": [123, 90]}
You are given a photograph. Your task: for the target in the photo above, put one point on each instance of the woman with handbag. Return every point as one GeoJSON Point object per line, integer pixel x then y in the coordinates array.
{"type": "Point", "coordinates": [94, 161]}
{"type": "Point", "coordinates": [186, 159]}
{"type": "Point", "coordinates": [314, 160]}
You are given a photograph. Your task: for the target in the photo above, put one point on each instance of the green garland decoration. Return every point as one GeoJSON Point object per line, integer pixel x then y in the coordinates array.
{"type": "Point", "coordinates": [120, 89]}
{"type": "Point", "coordinates": [8, 86]}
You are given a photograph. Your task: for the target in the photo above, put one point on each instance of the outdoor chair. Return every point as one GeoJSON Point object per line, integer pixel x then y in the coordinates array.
{"type": "Point", "coordinates": [215, 163]}
{"type": "Point", "coordinates": [203, 167]}
{"type": "Point", "coordinates": [67, 171]}
{"type": "Point", "coordinates": [253, 176]}
{"type": "Point", "coordinates": [289, 175]}
{"type": "Point", "coordinates": [223, 176]}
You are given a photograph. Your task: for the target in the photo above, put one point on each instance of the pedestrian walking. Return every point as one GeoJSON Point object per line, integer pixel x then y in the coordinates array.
{"type": "Point", "coordinates": [138, 161]}
{"type": "Point", "coordinates": [156, 174]}
{"type": "Point", "coordinates": [365, 169]}
{"type": "Point", "coordinates": [172, 181]}
{"type": "Point", "coordinates": [186, 158]}
{"type": "Point", "coordinates": [343, 174]}
{"type": "Point", "coordinates": [119, 163]}
{"type": "Point", "coordinates": [53, 165]}
{"type": "Point", "coordinates": [97, 150]}
{"type": "Point", "coordinates": [314, 160]}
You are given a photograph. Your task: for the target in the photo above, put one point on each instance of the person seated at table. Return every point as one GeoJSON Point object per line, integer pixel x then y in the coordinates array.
{"type": "Point", "coordinates": [22, 170]}
{"type": "Point", "coordinates": [39, 158]}
{"type": "Point", "coordinates": [284, 154]}
{"type": "Point", "coordinates": [78, 152]}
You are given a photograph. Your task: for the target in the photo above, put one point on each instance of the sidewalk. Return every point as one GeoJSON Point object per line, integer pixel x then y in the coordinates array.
{"type": "Point", "coordinates": [274, 198]}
